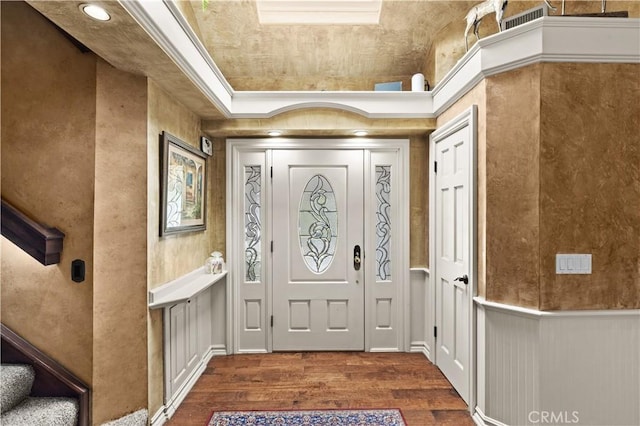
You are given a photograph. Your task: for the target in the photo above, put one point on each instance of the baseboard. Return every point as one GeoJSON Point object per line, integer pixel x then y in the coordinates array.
{"type": "Point", "coordinates": [372, 350]}
{"type": "Point", "coordinates": [420, 347]}
{"type": "Point", "coordinates": [160, 417]}
{"type": "Point", "coordinates": [483, 420]}
{"type": "Point", "coordinates": [172, 405]}
{"type": "Point", "coordinates": [218, 350]}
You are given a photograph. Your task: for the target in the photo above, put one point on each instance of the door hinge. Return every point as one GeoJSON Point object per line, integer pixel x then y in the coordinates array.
{"type": "Point", "coordinates": [271, 246]}
{"type": "Point", "coordinates": [271, 321]}
{"type": "Point", "coordinates": [435, 331]}
{"type": "Point", "coordinates": [271, 172]}
{"type": "Point", "coordinates": [435, 167]}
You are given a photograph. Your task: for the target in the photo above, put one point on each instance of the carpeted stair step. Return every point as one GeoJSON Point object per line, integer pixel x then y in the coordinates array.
{"type": "Point", "coordinates": [42, 411]}
{"type": "Point", "coordinates": [15, 384]}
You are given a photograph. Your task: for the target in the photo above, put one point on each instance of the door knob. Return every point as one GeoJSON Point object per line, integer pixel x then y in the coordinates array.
{"type": "Point", "coordinates": [464, 279]}
{"type": "Point", "coordinates": [357, 260]}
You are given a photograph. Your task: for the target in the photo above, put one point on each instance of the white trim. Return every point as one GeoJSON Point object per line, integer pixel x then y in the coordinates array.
{"type": "Point", "coordinates": [518, 310]}
{"type": "Point", "coordinates": [468, 118]}
{"type": "Point", "coordinates": [401, 104]}
{"type": "Point", "coordinates": [183, 288]}
{"type": "Point", "coordinates": [421, 329]}
{"type": "Point", "coordinates": [482, 419]}
{"type": "Point", "coordinates": [170, 407]}
{"type": "Point", "coordinates": [176, 38]}
{"type": "Point", "coordinates": [318, 12]}
{"type": "Point", "coordinates": [548, 39]}
{"type": "Point", "coordinates": [160, 417]}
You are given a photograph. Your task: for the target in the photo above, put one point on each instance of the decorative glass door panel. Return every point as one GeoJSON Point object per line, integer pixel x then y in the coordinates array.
{"type": "Point", "coordinates": [318, 293]}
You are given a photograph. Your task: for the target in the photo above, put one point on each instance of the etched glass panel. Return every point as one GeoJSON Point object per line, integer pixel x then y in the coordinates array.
{"type": "Point", "coordinates": [383, 222]}
{"type": "Point", "coordinates": [318, 224]}
{"type": "Point", "coordinates": [252, 226]}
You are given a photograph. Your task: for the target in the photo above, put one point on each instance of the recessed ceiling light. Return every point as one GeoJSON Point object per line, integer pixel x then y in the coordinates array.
{"type": "Point", "coordinates": [95, 12]}
{"type": "Point", "coordinates": [274, 133]}
{"type": "Point", "coordinates": [360, 133]}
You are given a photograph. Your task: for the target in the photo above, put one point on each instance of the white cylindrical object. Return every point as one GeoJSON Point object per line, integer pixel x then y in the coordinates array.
{"type": "Point", "coordinates": [417, 83]}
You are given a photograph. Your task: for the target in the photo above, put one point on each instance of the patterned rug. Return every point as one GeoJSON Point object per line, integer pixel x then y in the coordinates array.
{"type": "Point", "coordinates": [308, 418]}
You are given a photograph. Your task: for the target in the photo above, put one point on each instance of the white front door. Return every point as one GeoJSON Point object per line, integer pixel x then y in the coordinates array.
{"type": "Point", "coordinates": [318, 278]}
{"type": "Point", "coordinates": [453, 265]}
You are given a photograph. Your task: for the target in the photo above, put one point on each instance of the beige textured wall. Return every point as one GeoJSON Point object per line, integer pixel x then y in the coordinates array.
{"type": "Point", "coordinates": [48, 134]}
{"type": "Point", "coordinates": [172, 256]}
{"type": "Point", "coordinates": [590, 184]}
{"type": "Point", "coordinates": [512, 187]}
{"type": "Point", "coordinates": [120, 245]}
{"type": "Point", "coordinates": [419, 201]}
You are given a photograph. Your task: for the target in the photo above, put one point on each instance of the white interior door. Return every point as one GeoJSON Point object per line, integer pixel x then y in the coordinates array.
{"type": "Point", "coordinates": [453, 268]}
{"type": "Point", "coordinates": [318, 290]}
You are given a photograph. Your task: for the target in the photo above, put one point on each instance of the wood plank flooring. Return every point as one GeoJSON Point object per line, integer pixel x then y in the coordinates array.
{"type": "Point", "coordinates": [325, 380]}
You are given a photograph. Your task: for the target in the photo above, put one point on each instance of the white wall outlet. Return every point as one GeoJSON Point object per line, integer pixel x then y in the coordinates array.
{"type": "Point", "coordinates": [573, 264]}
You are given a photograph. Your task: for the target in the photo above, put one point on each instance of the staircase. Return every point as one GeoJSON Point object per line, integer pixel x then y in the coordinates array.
{"type": "Point", "coordinates": [20, 409]}
{"type": "Point", "coordinates": [35, 390]}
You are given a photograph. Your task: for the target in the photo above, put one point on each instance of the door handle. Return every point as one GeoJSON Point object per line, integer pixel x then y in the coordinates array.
{"type": "Point", "coordinates": [464, 279]}
{"type": "Point", "coordinates": [357, 258]}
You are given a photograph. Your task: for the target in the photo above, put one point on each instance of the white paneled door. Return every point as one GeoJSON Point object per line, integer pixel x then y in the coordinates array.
{"type": "Point", "coordinates": [318, 238]}
{"type": "Point", "coordinates": [453, 215]}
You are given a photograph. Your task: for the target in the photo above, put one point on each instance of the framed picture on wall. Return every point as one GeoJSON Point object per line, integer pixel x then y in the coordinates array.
{"type": "Point", "coordinates": [183, 199]}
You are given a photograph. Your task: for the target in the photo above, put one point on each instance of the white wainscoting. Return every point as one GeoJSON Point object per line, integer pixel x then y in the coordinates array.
{"type": "Point", "coordinates": [561, 367]}
{"type": "Point", "coordinates": [421, 331]}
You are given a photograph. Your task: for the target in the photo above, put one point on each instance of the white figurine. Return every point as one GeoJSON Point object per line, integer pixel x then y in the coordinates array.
{"type": "Point", "coordinates": [481, 10]}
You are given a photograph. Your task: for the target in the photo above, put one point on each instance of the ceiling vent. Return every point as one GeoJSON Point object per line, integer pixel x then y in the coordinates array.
{"type": "Point", "coordinates": [524, 17]}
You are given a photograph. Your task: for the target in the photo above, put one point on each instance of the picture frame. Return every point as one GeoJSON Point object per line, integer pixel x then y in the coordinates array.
{"type": "Point", "coordinates": [183, 188]}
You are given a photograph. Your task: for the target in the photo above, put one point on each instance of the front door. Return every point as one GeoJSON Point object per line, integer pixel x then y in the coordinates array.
{"type": "Point", "coordinates": [453, 215]}
{"type": "Point", "coordinates": [318, 238]}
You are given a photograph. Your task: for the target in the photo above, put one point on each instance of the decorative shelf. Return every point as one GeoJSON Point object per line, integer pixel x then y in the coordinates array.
{"type": "Point", "coordinates": [41, 242]}
{"type": "Point", "coordinates": [183, 288]}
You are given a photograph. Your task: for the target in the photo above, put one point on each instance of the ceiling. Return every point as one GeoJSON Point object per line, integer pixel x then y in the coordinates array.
{"type": "Point", "coordinates": [323, 57]}
{"type": "Point", "coordinates": [409, 39]}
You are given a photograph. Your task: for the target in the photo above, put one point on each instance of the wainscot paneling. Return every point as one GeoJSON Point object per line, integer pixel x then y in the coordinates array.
{"type": "Point", "coordinates": [580, 367]}
{"type": "Point", "coordinates": [194, 318]}
{"type": "Point", "coordinates": [421, 332]}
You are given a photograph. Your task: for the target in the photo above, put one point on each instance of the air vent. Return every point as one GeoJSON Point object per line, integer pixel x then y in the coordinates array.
{"type": "Point", "coordinates": [524, 17]}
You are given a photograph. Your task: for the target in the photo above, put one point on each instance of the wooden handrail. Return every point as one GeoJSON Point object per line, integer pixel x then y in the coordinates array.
{"type": "Point", "coordinates": [51, 378]}
{"type": "Point", "coordinates": [41, 242]}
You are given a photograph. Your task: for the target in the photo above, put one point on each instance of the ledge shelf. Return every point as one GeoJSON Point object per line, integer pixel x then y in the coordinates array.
{"type": "Point", "coordinates": [183, 288]}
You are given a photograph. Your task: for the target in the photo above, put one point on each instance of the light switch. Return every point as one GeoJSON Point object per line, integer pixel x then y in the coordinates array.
{"type": "Point", "coordinates": [573, 264]}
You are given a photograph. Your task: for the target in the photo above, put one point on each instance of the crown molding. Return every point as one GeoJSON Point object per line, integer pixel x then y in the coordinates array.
{"type": "Point", "coordinates": [548, 39]}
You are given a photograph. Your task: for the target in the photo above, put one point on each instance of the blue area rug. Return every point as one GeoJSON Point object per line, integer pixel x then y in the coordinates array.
{"type": "Point", "coordinates": [308, 418]}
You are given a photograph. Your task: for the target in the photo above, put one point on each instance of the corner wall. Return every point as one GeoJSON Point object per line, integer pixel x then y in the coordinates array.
{"type": "Point", "coordinates": [120, 245]}
{"type": "Point", "coordinates": [48, 155]}
{"type": "Point", "coordinates": [172, 256]}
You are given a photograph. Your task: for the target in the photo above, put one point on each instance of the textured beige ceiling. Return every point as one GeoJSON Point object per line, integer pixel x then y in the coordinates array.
{"type": "Point", "coordinates": [322, 57]}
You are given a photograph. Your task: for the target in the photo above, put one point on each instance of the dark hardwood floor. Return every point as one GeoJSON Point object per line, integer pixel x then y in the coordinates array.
{"type": "Point", "coordinates": [325, 380]}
